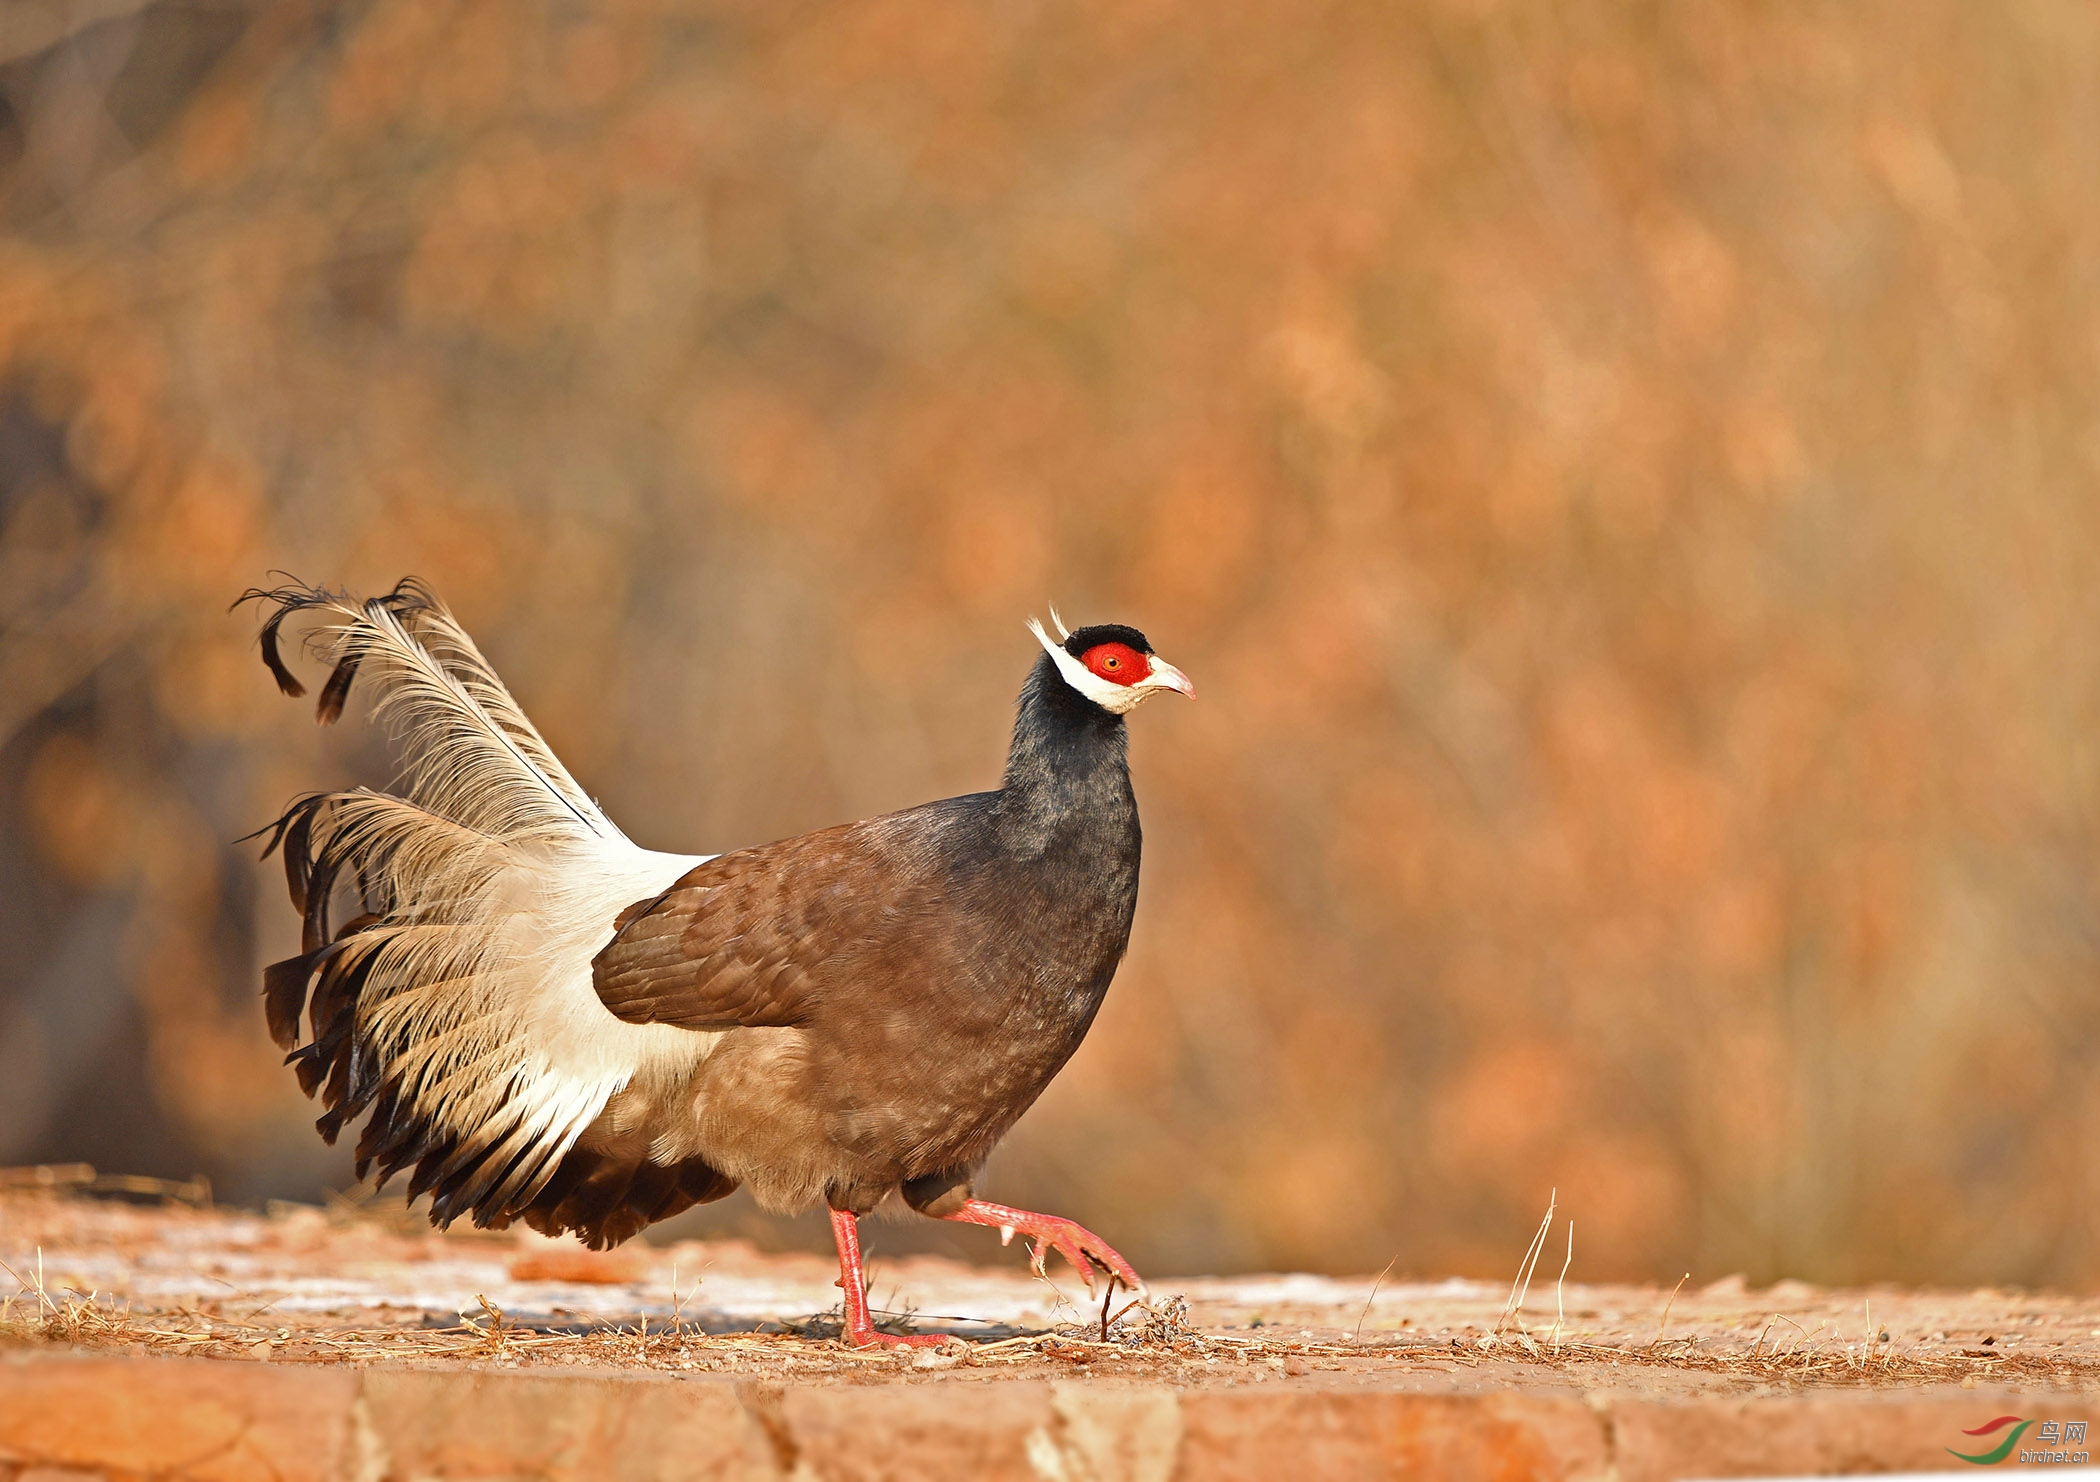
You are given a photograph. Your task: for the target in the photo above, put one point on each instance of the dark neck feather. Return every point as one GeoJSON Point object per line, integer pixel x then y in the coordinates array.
{"type": "Point", "coordinates": [1068, 765]}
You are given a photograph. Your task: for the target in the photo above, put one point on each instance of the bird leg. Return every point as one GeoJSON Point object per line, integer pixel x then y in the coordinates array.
{"type": "Point", "coordinates": [1047, 1232]}
{"type": "Point", "coordinates": [853, 1281]}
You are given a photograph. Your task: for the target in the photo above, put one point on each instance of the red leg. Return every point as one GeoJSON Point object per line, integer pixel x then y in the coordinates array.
{"type": "Point", "coordinates": [860, 1329]}
{"type": "Point", "coordinates": [1081, 1246]}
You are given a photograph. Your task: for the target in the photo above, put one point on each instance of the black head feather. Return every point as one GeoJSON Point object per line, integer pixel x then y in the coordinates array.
{"type": "Point", "coordinates": [1085, 638]}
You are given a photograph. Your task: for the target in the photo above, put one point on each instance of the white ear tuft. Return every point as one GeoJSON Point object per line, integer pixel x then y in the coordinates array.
{"type": "Point", "coordinates": [1059, 623]}
{"type": "Point", "coordinates": [1114, 698]}
{"type": "Point", "coordinates": [1050, 645]}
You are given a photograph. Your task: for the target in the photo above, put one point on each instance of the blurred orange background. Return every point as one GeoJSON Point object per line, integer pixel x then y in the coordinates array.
{"type": "Point", "coordinates": [1622, 477]}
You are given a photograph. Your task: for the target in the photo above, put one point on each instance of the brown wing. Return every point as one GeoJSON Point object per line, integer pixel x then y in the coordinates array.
{"type": "Point", "coordinates": [736, 942]}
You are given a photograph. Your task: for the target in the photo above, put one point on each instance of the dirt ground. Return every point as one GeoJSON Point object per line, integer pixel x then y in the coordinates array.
{"type": "Point", "coordinates": [310, 1286]}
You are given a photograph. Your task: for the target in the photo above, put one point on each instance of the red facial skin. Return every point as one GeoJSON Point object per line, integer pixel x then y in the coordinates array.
{"type": "Point", "coordinates": [1118, 663]}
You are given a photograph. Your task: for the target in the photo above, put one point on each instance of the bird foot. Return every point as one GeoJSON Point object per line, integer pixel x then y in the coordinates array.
{"type": "Point", "coordinates": [1048, 1232]}
{"type": "Point", "coordinates": [870, 1337]}
{"type": "Point", "coordinates": [860, 1331]}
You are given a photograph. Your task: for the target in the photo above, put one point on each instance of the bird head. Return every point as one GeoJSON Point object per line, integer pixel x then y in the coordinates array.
{"type": "Point", "coordinates": [1110, 664]}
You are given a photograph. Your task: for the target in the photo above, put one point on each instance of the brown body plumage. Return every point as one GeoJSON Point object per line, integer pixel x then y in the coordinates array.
{"type": "Point", "coordinates": [548, 1023]}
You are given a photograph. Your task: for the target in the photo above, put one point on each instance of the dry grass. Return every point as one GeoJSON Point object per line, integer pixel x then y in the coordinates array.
{"type": "Point", "coordinates": [1166, 1338]}
{"type": "Point", "coordinates": [1154, 1341]}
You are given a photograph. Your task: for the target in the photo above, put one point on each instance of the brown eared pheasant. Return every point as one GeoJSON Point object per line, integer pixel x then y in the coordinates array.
{"type": "Point", "coordinates": [547, 1023]}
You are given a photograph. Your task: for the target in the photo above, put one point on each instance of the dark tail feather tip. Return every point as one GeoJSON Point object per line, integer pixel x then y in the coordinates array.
{"type": "Point", "coordinates": [284, 995]}
{"type": "Point", "coordinates": [289, 600]}
{"type": "Point", "coordinates": [329, 709]}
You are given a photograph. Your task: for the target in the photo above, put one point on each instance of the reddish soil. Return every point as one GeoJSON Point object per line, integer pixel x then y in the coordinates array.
{"type": "Point", "coordinates": [100, 1282]}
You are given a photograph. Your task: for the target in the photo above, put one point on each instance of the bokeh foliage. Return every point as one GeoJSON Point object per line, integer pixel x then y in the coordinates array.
{"type": "Point", "coordinates": [1623, 478]}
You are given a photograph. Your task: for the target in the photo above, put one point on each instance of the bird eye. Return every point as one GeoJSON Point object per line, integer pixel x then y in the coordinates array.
{"type": "Point", "coordinates": [1114, 663]}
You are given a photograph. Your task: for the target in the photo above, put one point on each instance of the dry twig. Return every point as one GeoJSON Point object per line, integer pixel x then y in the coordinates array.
{"type": "Point", "coordinates": [1665, 1319]}
{"type": "Point", "coordinates": [1560, 1307]}
{"type": "Point", "coordinates": [1521, 1286]}
{"type": "Point", "coordinates": [1358, 1334]}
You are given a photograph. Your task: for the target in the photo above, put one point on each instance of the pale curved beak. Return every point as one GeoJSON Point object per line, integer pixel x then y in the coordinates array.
{"type": "Point", "coordinates": [1165, 676]}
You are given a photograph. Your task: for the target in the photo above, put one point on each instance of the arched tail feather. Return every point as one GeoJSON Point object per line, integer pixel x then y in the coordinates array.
{"type": "Point", "coordinates": [453, 1000]}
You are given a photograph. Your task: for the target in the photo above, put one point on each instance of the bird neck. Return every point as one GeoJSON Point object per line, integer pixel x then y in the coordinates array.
{"type": "Point", "coordinates": [1068, 766]}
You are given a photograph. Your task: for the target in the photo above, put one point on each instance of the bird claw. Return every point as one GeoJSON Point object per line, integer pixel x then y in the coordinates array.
{"type": "Point", "coordinates": [1084, 1250]}
{"type": "Point", "coordinates": [1047, 1232]}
